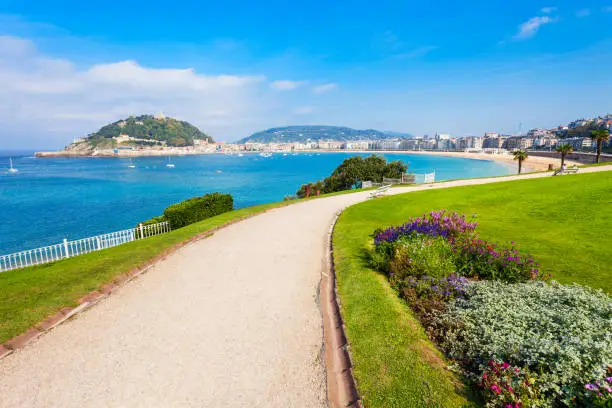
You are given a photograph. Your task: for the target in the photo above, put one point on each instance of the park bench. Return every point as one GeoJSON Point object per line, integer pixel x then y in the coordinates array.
{"type": "Point", "coordinates": [567, 170]}
{"type": "Point", "coordinates": [380, 191]}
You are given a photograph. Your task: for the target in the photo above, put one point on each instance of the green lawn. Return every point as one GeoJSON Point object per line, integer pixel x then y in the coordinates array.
{"type": "Point", "coordinates": [562, 221]}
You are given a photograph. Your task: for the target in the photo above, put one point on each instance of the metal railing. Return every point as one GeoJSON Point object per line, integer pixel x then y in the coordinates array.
{"type": "Point", "coordinates": [425, 178]}
{"type": "Point", "coordinates": [68, 249]}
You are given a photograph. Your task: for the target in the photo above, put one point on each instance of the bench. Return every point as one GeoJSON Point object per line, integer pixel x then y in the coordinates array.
{"type": "Point", "coordinates": [567, 170]}
{"type": "Point", "coordinates": [380, 191]}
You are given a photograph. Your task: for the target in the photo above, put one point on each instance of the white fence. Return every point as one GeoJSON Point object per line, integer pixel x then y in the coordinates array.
{"type": "Point", "coordinates": [425, 178]}
{"type": "Point", "coordinates": [68, 249]}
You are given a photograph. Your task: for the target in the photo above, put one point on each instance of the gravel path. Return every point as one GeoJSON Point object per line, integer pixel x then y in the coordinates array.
{"type": "Point", "coordinates": [229, 321]}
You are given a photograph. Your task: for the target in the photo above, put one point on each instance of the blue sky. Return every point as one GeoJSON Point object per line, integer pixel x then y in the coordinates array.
{"type": "Point", "coordinates": [233, 68]}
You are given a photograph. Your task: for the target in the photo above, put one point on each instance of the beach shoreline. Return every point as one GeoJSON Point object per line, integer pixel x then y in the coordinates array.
{"type": "Point", "coordinates": [533, 163]}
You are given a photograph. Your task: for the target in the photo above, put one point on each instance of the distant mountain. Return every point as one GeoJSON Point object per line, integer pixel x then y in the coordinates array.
{"type": "Point", "coordinates": [291, 134]}
{"type": "Point", "coordinates": [150, 129]}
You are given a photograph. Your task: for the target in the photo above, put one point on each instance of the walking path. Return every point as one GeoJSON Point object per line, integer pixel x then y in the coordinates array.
{"type": "Point", "coordinates": [229, 321]}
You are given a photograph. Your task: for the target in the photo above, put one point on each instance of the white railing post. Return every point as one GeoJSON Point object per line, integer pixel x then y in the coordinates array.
{"type": "Point", "coordinates": [66, 248]}
{"type": "Point", "coordinates": [141, 230]}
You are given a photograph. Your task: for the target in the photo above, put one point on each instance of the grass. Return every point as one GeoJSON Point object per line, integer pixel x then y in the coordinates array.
{"type": "Point", "coordinates": [562, 221]}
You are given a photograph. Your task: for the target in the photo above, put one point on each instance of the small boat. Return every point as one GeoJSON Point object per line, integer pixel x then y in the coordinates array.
{"type": "Point", "coordinates": [219, 171]}
{"type": "Point", "coordinates": [240, 155]}
{"type": "Point", "coordinates": [11, 169]}
{"type": "Point", "coordinates": [170, 165]}
{"type": "Point", "coordinates": [265, 154]}
{"type": "Point", "coordinates": [131, 165]}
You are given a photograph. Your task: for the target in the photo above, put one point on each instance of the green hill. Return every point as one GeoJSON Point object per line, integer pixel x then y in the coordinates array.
{"type": "Point", "coordinates": [292, 134]}
{"type": "Point", "coordinates": [150, 130]}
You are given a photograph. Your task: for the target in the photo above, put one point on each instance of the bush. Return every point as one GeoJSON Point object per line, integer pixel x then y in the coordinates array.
{"type": "Point", "coordinates": [197, 209]}
{"type": "Point", "coordinates": [154, 220]}
{"type": "Point", "coordinates": [427, 296]}
{"type": "Point", "coordinates": [352, 171]}
{"type": "Point", "coordinates": [562, 333]}
{"type": "Point", "coordinates": [505, 386]}
{"type": "Point", "coordinates": [420, 256]}
{"type": "Point", "coordinates": [478, 258]}
{"type": "Point", "coordinates": [473, 257]}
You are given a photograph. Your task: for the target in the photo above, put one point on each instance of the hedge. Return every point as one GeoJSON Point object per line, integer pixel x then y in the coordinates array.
{"type": "Point", "coordinates": [198, 208]}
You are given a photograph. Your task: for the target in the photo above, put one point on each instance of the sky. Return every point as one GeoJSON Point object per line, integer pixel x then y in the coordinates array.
{"type": "Point", "coordinates": [232, 68]}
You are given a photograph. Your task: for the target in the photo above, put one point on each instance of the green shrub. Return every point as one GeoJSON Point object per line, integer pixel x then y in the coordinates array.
{"type": "Point", "coordinates": [197, 209]}
{"type": "Point", "coordinates": [561, 333]}
{"type": "Point", "coordinates": [154, 220]}
{"type": "Point", "coordinates": [421, 255]}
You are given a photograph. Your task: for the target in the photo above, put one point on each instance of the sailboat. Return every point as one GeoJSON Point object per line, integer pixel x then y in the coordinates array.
{"type": "Point", "coordinates": [12, 170]}
{"type": "Point", "coordinates": [131, 165]}
{"type": "Point", "coordinates": [170, 165]}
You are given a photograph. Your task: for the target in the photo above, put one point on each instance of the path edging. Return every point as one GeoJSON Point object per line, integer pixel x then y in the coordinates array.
{"type": "Point", "coordinates": [341, 384]}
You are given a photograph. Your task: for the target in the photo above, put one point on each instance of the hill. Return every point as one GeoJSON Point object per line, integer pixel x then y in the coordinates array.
{"type": "Point", "coordinates": [291, 134]}
{"type": "Point", "coordinates": [148, 130]}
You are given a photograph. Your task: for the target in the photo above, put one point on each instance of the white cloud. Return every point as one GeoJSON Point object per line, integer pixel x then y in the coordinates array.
{"type": "Point", "coordinates": [324, 88]}
{"type": "Point", "coordinates": [548, 10]}
{"type": "Point", "coordinates": [583, 13]}
{"type": "Point", "coordinates": [55, 98]}
{"type": "Point", "coordinates": [286, 85]}
{"type": "Point", "coordinates": [530, 27]}
{"type": "Point", "coordinates": [303, 110]}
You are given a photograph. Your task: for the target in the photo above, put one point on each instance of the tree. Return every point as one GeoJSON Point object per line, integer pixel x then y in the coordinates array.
{"type": "Point", "coordinates": [600, 136]}
{"type": "Point", "coordinates": [564, 149]}
{"type": "Point", "coordinates": [352, 171]}
{"type": "Point", "coordinates": [521, 156]}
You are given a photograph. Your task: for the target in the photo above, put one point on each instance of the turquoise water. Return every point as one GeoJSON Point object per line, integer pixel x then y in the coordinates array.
{"type": "Point", "coordinates": [52, 199]}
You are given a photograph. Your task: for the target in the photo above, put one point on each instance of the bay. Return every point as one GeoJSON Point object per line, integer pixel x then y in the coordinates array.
{"type": "Point", "coordinates": [55, 198]}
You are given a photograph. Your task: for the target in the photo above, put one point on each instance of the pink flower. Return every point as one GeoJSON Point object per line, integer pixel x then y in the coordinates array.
{"type": "Point", "coordinates": [505, 365]}
{"type": "Point", "coordinates": [495, 389]}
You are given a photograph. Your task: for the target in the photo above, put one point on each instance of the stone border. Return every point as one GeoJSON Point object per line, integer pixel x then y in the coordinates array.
{"type": "Point", "coordinates": [341, 384]}
{"type": "Point", "coordinates": [92, 298]}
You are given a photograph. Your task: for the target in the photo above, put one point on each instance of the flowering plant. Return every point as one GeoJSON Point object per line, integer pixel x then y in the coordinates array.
{"type": "Point", "coordinates": [508, 387]}
{"type": "Point", "coordinates": [447, 288]}
{"type": "Point", "coordinates": [475, 257]}
{"type": "Point", "coordinates": [435, 224]}
{"type": "Point", "coordinates": [599, 393]}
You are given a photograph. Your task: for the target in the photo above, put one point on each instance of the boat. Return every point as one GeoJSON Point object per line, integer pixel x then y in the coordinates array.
{"type": "Point", "coordinates": [265, 154]}
{"type": "Point", "coordinates": [11, 169]}
{"type": "Point", "coordinates": [170, 165]}
{"type": "Point", "coordinates": [131, 165]}
{"type": "Point", "coordinates": [240, 155]}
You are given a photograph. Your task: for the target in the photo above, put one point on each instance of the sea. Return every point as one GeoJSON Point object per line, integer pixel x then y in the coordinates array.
{"type": "Point", "coordinates": [50, 199]}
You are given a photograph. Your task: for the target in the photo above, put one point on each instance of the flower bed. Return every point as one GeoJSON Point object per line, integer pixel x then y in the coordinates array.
{"type": "Point", "coordinates": [521, 341]}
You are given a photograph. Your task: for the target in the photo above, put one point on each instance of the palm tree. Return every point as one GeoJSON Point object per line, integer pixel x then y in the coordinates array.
{"type": "Point", "coordinates": [600, 136]}
{"type": "Point", "coordinates": [564, 149]}
{"type": "Point", "coordinates": [520, 155]}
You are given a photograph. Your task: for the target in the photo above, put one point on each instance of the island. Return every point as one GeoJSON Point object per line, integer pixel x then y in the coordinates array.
{"type": "Point", "coordinates": [144, 135]}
